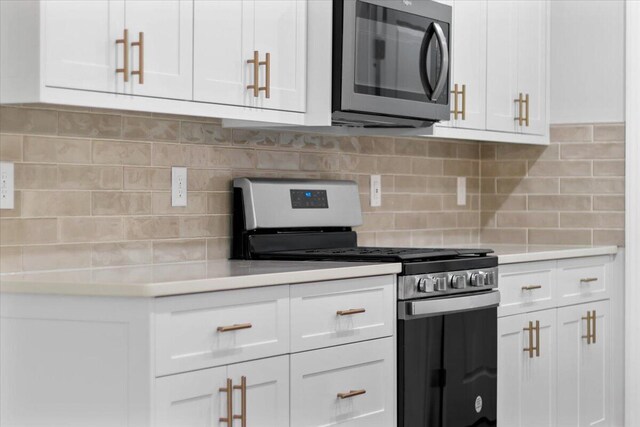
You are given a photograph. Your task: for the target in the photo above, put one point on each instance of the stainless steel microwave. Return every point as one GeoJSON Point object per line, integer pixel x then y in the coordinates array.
{"type": "Point", "coordinates": [391, 63]}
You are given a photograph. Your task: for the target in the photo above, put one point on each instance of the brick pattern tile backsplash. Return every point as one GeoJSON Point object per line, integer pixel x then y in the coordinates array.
{"type": "Point", "coordinates": [93, 186]}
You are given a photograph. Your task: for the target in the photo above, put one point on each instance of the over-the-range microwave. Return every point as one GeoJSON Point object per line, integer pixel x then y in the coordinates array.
{"type": "Point", "coordinates": [390, 63]}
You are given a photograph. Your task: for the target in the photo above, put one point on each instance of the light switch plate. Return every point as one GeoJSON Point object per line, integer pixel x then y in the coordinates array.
{"type": "Point", "coordinates": [376, 191]}
{"type": "Point", "coordinates": [6, 185]}
{"type": "Point", "coordinates": [462, 191]}
{"type": "Point", "coordinates": [178, 186]}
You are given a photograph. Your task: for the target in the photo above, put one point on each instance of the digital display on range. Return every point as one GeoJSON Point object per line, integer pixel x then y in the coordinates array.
{"type": "Point", "coordinates": [309, 199]}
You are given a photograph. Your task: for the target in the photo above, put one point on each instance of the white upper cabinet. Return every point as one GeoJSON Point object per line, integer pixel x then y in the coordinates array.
{"type": "Point", "coordinates": [160, 47]}
{"type": "Point", "coordinates": [80, 49]}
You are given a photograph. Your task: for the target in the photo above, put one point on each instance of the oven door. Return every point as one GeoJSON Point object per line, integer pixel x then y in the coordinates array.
{"type": "Point", "coordinates": [395, 58]}
{"type": "Point", "coordinates": [447, 361]}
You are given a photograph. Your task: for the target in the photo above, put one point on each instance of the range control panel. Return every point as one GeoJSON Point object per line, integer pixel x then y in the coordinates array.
{"type": "Point", "coordinates": [309, 199]}
{"type": "Point", "coordinates": [451, 282]}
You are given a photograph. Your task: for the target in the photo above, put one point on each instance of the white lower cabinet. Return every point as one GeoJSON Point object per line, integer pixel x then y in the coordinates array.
{"type": "Point", "coordinates": [584, 369]}
{"type": "Point", "coordinates": [351, 385]}
{"type": "Point", "coordinates": [526, 378]}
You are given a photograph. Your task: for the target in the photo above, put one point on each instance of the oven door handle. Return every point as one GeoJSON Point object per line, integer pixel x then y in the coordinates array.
{"type": "Point", "coordinates": [434, 93]}
{"type": "Point", "coordinates": [439, 306]}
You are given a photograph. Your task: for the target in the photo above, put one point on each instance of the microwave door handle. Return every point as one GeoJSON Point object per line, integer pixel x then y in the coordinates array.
{"type": "Point", "coordinates": [444, 59]}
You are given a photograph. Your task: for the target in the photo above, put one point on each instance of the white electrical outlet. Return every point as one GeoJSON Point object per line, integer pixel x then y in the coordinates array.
{"type": "Point", "coordinates": [462, 191]}
{"type": "Point", "coordinates": [178, 186]}
{"type": "Point", "coordinates": [6, 185]}
{"type": "Point", "coordinates": [376, 191]}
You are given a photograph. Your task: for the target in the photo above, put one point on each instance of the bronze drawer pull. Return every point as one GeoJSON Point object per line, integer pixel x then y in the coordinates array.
{"type": "Point", "coordinates": [235, 327]}
{"type": "Point", "coordinates": [243, 402]}
{"type": "Point", "coordinates": [351, 393]}
{"type": "Point", "coordinates": [256, 72]}
{"type": "Point", "coordinates": [531, 329]}
{"type": "Point", "coordinates": [589, 280]}
{"type": "Point", "coordinates": [531, 287]}
{"type": "Point", "coordinates": [229, 391]}
{"type": "Point", "coordinates": [350, 311]}
{"type": "Point", "coordinates": [267, 87]}
{"type": "Point", "coordinates": [591, 327]}
{"type": "Point", "coordinates": [124, 41]}
{"type": "Point", "coordinates": [140, 71]}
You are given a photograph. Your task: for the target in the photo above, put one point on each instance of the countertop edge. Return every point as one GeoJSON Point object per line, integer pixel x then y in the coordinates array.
{"type": "Point", "coordinates": [555, 254]}
{"type": "Point", "coordinates": [215, 284]}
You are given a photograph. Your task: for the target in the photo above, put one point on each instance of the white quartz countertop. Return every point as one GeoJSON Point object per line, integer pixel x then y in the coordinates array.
{"type": "Point", "coordinates": [186, 278]}
{"type": "Point", "coordinates": [511, 254]}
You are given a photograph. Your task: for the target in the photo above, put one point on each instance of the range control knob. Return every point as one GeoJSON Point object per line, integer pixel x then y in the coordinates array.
{"type": "Point", "coordinates": [426, 284]}
{"type": "Point", "coordinates": [441, 284]}
{"type": "Point", "coordinates": [490, 280]}
{"type": "Point", "coordinates": [478, 279]}
{"type": "Point", "coordinates": [458, 281]}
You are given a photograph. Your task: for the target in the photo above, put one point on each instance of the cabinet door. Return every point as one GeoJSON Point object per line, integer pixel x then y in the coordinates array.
{"type": "Point", "coordinates": [532, 64]}
{"type": "Point", "coordinates": [266, 399]}
{"type": "Point", "coordinates": [80, 44]}
{"type": "Point", "coordinates": [583, 367]}
{"type": "Point", "coordinates": [502, 65]}
{"type": "Point", "coordinates": [470, 62]}
{"type": "Point", "coordinates": [192, 399]}
{"type": "Point", "coordinates": [280, 30]}
{"type": "Point", "coordinates": [223, 42]}
{"type": "Point", "coordinates": [527, 383]}
{"type": "Point", "coordinates": [167, 54]}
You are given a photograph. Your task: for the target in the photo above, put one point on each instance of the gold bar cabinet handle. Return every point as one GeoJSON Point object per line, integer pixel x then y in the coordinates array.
{"type": "Point", "coordinates": [243, 402]}
{"type": "Point", "coordinates": [124, 41]}
{"type": "Point", "coordinates": [593, 329]}
{"type": "Point", "coordinates": [351, 393]}
{"type": "Point", "coordinates": [588, 319]}
{"type": "Point", "coordinates": [235, 327]}
{"type": "Point", "coordinates": [229, 391]}
{"type": "Point", "coordinates": [589, 280]}
{"type": "Point", "coordinates": [531, 287]}
{"type": "Point", "coordinates": [519, 101]}
{"type": "Point", "coordinates": [454, 92]}
{"type": "Point", "coordinates": [530, 348]}
{"type": "Point", "coordinates": [256, 71]}
{"type": "Point", "coordinates": [350, 311]}
{"type": "Point", "coordinates": [537, 338]}
{"type": "Point", "coordinates": [526, 115]}
{"type": "Point", "coordinates": [267, 87]}
{"type": "Point", "coordinates": [140, 45]}
{"type": "Point", "coordinates": [464, 102]}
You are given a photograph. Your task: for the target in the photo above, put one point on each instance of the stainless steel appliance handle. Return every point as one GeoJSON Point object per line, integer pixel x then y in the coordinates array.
{"type": "Point", "coordinates": [444, 58]}
{"type": "Point", "coordinates": [438, 306]}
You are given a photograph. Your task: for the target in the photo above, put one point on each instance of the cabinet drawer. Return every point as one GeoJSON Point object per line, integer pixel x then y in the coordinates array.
{"type": "Point", "coordinates": [351, 385]}
{"type": "Point", "coordinates": [582, 279]}
{"type": "Point", "coordinates": [342, 311]}
{"type": "Point", "coordinates": [526, 287]}
{"type": "Point", "coordinates": [203, 330]}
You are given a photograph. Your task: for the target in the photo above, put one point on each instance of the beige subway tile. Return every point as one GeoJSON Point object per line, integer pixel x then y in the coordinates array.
{"type": "Point", "coordinates": [89, 125]}
{"type": "Point", "coordinates": [29, 176]}
{"type": "Point", "coordinates": [29, 121]}
{"type": "Point", "coordinates": [499, 202]}
{"type": "Point", "coordinates": [121, 153]}
{"type": "Point", "coordinates": [392, 165]}
{"type": "Point", "coordinates": [377, 221]}
{"type": "Point", "coordinates": [218, 248]}
{"type": "Point", "coordinates": [409, 221]}
{"type": "Point", "coordinates": [591, 220]}
{"type": "Point", "coordinates": [442, 185]}
{"type": "Point", "coordinates": [375, 145]}
{"type": "Point", "coordinates": [608, 168]}
{"type": "Point", "coordinates": [425, 238]}
{"type": "Point", "coordinates": [90, 229]}
{"type": "Point", "coordinates": [239, 158]}
{"type": "Point", "coordinates": [503, 236]}
{"type": "Point", "coordinates": [410, 147]}
{"type": "Point", "coordinates": [426, 202]}
{"type": "Point", "coordinates": [319, 162]}
{"type": "Point", "coordinates": [608, 203]}
{"type": "Point", "coordinates": [16, 212]}
{"type": "Point", "coordinates": [488, 220]}
{"type": "Point", "coordinates": [559, 203]}
{"type": "Point", "coordinates": [441, 219]}
{"type": "Point", "coordinates": [459, 236]}
{"type": "Point", "coordinates": [354, 163]}
{"type": "Point", "coordinates": [150, 129]}
{"type": "Point", "coordinates": [608, 237]}
{"type": "Point", "coordinates": [56, 257]}
{"type": "Point", "coordinates": [205, 226]}
{"type": "Point", "coordinates": [209, 180]}
{"type": "Point", "coordinates": [161, 204]}
{"type": "Point", "coordinates": [469, 219]}
{"type": "Point", "coordinates": [393, 238]}
{"type": "Point", "coordinates": [278, 160]}
{"type": "Point", "coordinates": [168, 154]}
{"type": "Point", "coordinates": [528, 185]}
{"type": "Point", "coordinates": [204, 133]}
{"type": "Point", "coordinates": [11, 148]}
{"type": "Point", "coordinates": [151, 227]}
{"type": "Point", "coordinates": [367, 238]}
{"type": "Point", "coordinates": [149, 178]}
{"type": "Point", "coordinates": [219, 203]}
{"type": "Point", "coordinates": [473, 185]}
{"type": "Point", "coordinates": [19, 231]}
{"type": "Point", "coordinates": [121, 253]}
{"type": "Point", "coordinates": [10, 259]}
{"type": "Point", "coordinates": [410, 184]}
{"type": "Point", "coordinates": [613, 132]}
{"type": "Point", "coordinates": [488, 185]}
{"type": "Point", "coordinates": [260, 138]}
{"type": "Point", "coordinates": [593, 150]}
{"type": "Point", "coordinates": [527, 220]}
{"type": "Point", "coordinates": [488, 151]}
{"type": "Point", "coordinates": [179, 251]}
{"type": "Point", "coordinates": [447, 149]}
{"type": "Point", "coordinates": [559, 237]}
{"type": "Point", "coordinates": [450, 202]}
{"type": "Point", "coordinates": [571, 133]}
{"type": "Point", "coordinates": [461, 168]}
{"type": "Point", "coordinates": [199, 156]}
{"type": "Point", "coordinates": [527, 152]}
{"type": "Point", "coordinates": [469, 151]}
{"type": "Point", "coordinates": [119, 203]}
{"type": "Point", "coordinates": [56, 150]}
{"type": "Point", "coordinates": [79, 177]}
{"type": "Point", "coordinates": [490, 168]}
{"type": "Point", "coordinates": [427, 166]}
{"type": "Point", "coordinates": [55, 203]}
{"type": "Point", "coordinates": [592, 185]}
{"type": "Point", "coordinates": [550, 168]}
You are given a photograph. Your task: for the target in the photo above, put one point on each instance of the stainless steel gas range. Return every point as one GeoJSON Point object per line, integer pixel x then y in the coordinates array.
{"type": "Point", "coordinates": [447, 298]}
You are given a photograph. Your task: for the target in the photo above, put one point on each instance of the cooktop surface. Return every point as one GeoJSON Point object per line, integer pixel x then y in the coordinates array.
{"type": "Point", "coordinates": [371, 253]}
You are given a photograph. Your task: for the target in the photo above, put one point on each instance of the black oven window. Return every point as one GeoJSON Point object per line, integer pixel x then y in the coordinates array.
{"type": "Point", "coordinates": [389, 52]}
